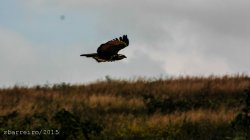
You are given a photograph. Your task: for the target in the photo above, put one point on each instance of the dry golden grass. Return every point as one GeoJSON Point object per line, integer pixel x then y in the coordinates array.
{"type": "Point", "coordinates": [213, 116]}
{"type": "Point", "coordinates": [127, 95]}
{"type": "Point", "coordinates": [114, 101]}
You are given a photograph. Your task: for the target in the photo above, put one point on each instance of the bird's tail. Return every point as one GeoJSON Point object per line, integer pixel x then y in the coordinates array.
{"type": "Point", "coordinates": [89, 55]}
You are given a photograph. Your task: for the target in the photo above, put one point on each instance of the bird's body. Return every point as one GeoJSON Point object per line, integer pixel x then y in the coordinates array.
{"type": "Point", "coordinates": [108, 51]}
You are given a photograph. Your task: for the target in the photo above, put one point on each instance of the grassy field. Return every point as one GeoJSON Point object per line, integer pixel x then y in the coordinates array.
{"type": "Point", "coordinates": [182, 108]}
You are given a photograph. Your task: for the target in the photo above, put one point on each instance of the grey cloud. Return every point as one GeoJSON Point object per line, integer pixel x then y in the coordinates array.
{"type": "Point", "coordinates": [40, 65]}
{"type": "Point", "coordinates": [228, 17]}
{"type": "Point", "coordinates": [16, 57]}
{"type": "Point", "coordinates": [211, 27]}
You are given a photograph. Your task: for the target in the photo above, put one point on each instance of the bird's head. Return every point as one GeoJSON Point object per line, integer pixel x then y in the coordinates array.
{"type": "Point", "coordinates": [121, 56]}
{"type": "Point", "coordinates": [118, 57]}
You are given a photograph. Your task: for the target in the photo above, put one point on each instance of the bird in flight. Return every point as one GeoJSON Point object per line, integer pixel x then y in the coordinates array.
{"type": "Point", "coordinates": [108, 51]}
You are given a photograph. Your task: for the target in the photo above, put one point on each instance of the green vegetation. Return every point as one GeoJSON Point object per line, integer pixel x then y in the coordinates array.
{"type": "Point", "coordinates": [183, 108]}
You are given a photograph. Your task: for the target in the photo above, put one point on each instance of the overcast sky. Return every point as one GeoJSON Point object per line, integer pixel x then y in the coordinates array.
{"type": "Point", "coordinates": [41, 40]}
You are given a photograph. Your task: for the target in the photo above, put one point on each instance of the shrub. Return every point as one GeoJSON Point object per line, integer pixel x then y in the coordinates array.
{"type": "Point", "coordinates": [241, 124]}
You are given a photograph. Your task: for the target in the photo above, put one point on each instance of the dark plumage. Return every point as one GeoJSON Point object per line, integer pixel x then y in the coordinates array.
{"type": "Point", "coordinates": [109, 50]}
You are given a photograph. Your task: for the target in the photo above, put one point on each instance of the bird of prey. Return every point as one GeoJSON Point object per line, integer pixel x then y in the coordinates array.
{"type": "Point", "coordinates": [108, 51]}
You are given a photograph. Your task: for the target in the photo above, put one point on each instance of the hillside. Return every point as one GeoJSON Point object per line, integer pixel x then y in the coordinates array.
{"type": "Point", "coordinates": [175, 108]}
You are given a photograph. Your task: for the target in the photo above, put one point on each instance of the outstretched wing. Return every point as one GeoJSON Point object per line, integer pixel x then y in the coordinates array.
{"type": "Point", "coordinates": [113, 46]}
